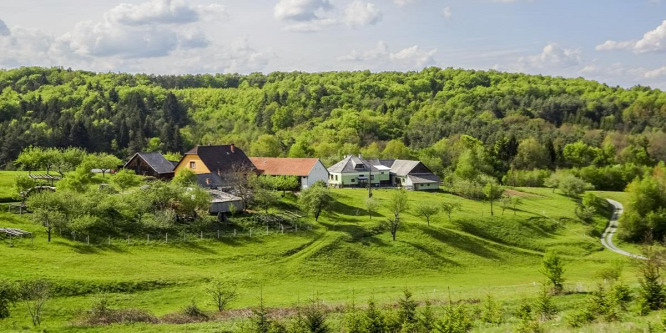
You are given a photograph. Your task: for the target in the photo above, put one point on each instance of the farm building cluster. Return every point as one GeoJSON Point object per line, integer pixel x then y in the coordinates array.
{"type": "Point", "coordinates": [216, 166]}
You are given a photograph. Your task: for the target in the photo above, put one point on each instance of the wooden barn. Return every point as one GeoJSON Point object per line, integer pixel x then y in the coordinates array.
{"type": "Point", "coordinates": [150, 164]}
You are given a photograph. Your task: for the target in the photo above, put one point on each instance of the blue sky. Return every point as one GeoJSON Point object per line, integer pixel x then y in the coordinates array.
{"type": "Point", "coordinates": [615, 42]}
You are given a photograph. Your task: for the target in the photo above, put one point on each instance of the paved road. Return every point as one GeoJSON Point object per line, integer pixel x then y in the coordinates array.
{"type": "Point", "coordinates": [607, 237]}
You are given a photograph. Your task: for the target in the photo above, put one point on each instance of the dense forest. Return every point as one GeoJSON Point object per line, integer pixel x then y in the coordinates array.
{"type": "Point", "coordinates": [515, 121]}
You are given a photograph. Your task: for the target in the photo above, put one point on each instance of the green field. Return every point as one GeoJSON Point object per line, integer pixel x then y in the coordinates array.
{"type": "Point", "coordinates": [343, 255]}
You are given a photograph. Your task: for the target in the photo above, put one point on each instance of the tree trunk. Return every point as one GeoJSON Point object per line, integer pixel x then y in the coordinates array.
{"type": "Point", "coordinates": [48, 233]}
{"type": "Point", "coordinates": [428, 220]}
{"type": "Point", "coordinates": [491, 207]}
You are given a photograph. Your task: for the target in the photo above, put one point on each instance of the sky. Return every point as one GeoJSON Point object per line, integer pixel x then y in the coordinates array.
{"type": "Point", "coordinates": [618, 42]}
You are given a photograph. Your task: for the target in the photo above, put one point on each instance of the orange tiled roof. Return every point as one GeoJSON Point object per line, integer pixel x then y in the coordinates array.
{"type": "Point", "coordinates": [276, 166]}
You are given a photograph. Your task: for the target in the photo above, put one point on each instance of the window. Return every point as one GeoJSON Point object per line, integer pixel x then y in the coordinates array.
{"type": "Point", "coordinates": [336, 177]}
{"type": "Point", "coordinates": [372, 177]}
{"type": "Point", "coordinates": [353, 180]}
{"type": "Point", "coordinates": [193, 165]}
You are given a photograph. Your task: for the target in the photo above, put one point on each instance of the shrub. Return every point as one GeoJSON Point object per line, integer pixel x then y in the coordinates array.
{"type": "Point", "coordinates": [101, 314]}
{"type": "Point", "coordinates": [456, 319]}
{"type": "Point", "coordinates": [544, 306]}
{"type": "Point", "coordinates": [7, 298]}
{"type": "Point", "coordinates": [553, 268]}
{"type": "Point", "coordinates": [492, 311]}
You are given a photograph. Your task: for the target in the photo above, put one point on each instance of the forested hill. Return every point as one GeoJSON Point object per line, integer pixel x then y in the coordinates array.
{"type": "Point", "coordinates": [419, 114]}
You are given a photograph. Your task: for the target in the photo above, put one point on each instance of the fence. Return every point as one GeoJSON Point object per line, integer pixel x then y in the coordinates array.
{"type": "Point", "coordinates": [231, 232]}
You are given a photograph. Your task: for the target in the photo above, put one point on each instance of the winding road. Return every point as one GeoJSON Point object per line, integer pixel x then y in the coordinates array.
{"type": "Point", "coordinates": [607, 236]}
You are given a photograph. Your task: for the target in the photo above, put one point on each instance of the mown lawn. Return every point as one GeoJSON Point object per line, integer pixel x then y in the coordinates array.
{"type": "Point", "coordinates": [344, 255]}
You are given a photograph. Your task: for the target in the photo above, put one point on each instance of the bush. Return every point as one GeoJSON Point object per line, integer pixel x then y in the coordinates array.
{"type": "Point", "coordinates": [492, 311]}
{"type": "Point", "coordinates": [101, 314]}
{"type": "Point", "coordinates": [526, 178]}
{"type": "Point", "coordinates": [7, 298]}
{"type": "Point", "coordinates": [456, 319]}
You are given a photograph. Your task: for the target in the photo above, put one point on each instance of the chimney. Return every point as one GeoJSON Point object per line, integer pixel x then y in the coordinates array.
{"type": "Point", "coordinates": [232, 147]}
{"type": "Point", "coordinates": [360, 156]}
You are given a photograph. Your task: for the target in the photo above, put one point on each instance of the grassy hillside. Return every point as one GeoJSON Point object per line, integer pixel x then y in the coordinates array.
{"type": "Point", "coordinates": [345, 254]}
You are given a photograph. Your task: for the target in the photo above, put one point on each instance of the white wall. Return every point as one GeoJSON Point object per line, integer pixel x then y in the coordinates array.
{"type": "Point", "coordinates": [318, 172]}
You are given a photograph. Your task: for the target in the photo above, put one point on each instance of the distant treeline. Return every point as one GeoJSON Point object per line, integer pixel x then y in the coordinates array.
{"type": "Point", "coordinates": [524, 122]}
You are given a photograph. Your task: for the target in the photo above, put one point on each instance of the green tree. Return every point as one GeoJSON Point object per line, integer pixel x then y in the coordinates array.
{"type": "Point", "coordinates": [316, 199]}
{"type": "Point", "coordinates": [265, 199]}
{"type": "Point", "coordinates": [573, 186]}
{"type": "Point", "coordinates": [266, 146]}
{"type": "Point", "coordinates": [125, 179]}
{"type": "Point", "coordinates": [579, 154]}
{"type": "Point", "coordinates": [102, 161]}
{"type": "Point", "coordinates": [426, 210]}
{"type": "Point", "coordinates": [396, 149]}
{"type": "Point", "coordinates": [371, 205]}
{"type": "Point", "coordinates": [221, 292]}
{"type": "Point", "coordinates": [492, 191]}
{"type": "Point", "coordinates": [47, 210]}
{"type": "Point", "coordinates": [652, 294]}
{"type": "Point", "coordinates": [531, 155]}
{"type": "Point", "coordinates": [185, 178]}
{"type": "Point", "coordinates": [450, 207]}
{"type": "Point", "coordinates": [8, 296]}
{"type": "Point", "coordinates": [397, 204]}
{"type": "Point", "coordinates": [552, 266]}
{"type": "Point", "coordinates": [35, 294]}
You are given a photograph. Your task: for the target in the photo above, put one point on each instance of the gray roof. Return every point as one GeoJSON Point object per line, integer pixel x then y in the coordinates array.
{"type": "Point", "coordinates": [423, 178]}
{"type": "Point", "coordinates": [209, 180]}
{"type": "Point", "coordinates": [219, 196]}
{"type": "Point", "coordinates": [348, 164]}
{"type": "Point", "coordinates": [155, 160]}
{"type": "Point", "coordinates": [403, 167]}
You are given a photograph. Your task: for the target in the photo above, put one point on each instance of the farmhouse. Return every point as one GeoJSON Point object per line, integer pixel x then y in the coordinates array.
{"type": "Point", "coordinates": [354, 171]}
{"type": "Point", "coordinates": [215, 166]}
{"type": "Point", "coordinates": [308, 170]}
{"type": "Point", "coordinates": [413, 175]}
{"type": "Point", "coordinates": [150, 164]}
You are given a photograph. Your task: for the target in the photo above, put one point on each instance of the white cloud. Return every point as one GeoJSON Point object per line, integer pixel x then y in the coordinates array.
{"type": "Point", "coordinates": [300, 10]}
{"type": "Point", "coordinates": [655, 73]}
{"type": "Point", "coordinates": [414, 57]}
{"type": "Point", "coordinates": [401, 3]}
{"type": "Point", "coordinates": [446, 12]}
{"type": "Point", "coordinates": [378, 52]}
{"type": "Point", "coordinates": [552, 56]}
{"type": "Point", "coordinates": [310, 26]}
{"type": "Point", "coordinates": [103, 39]}
{"type": "Point", "coordinates": [379, 57]}
{"type": "Point", "coordinates": [149, 29]}
{"type": "Point", "coordinates": [359, 13]}
{"type": "Point", "coordinates": [652, 41]}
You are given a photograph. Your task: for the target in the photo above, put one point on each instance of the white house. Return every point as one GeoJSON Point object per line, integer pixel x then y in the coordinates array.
{"type": "Point", "coordinates": [308, 170]}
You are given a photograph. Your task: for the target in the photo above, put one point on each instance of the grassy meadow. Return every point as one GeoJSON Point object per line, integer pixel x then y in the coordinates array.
{"type": "Point", "coordinates": [344, 256]}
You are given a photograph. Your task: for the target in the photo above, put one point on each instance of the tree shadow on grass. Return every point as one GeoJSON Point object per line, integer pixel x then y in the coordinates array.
{"type": "Point", "coordinates": [433, 254]}
{"type": "Point", "coordinates": [461, 242]}
{"type": "Point", "coordinates": [356, 233]}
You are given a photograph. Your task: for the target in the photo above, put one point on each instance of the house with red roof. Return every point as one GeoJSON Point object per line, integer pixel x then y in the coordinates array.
{"type": "Point", "coordinates": [308, 170]}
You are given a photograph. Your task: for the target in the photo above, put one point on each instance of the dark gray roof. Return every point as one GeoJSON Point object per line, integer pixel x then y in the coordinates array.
{"type": "Point", "coordinates": [223, 158]}
{"type": "Point", "coordinates": [423, 178]}
{"type": "Point", "coordinates": [209, 180]}
{"type": "Point", "coordinates": [349, 165]}
{"type": "Point", "coordinates": [156, 161]}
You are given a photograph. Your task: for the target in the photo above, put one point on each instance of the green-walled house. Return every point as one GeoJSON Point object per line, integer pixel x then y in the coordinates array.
{"type": "Point", "coordinates": [354, 171]}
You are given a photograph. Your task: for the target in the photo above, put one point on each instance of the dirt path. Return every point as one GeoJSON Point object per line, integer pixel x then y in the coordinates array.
{"type": "Point", "coordinates": [607, 237]}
